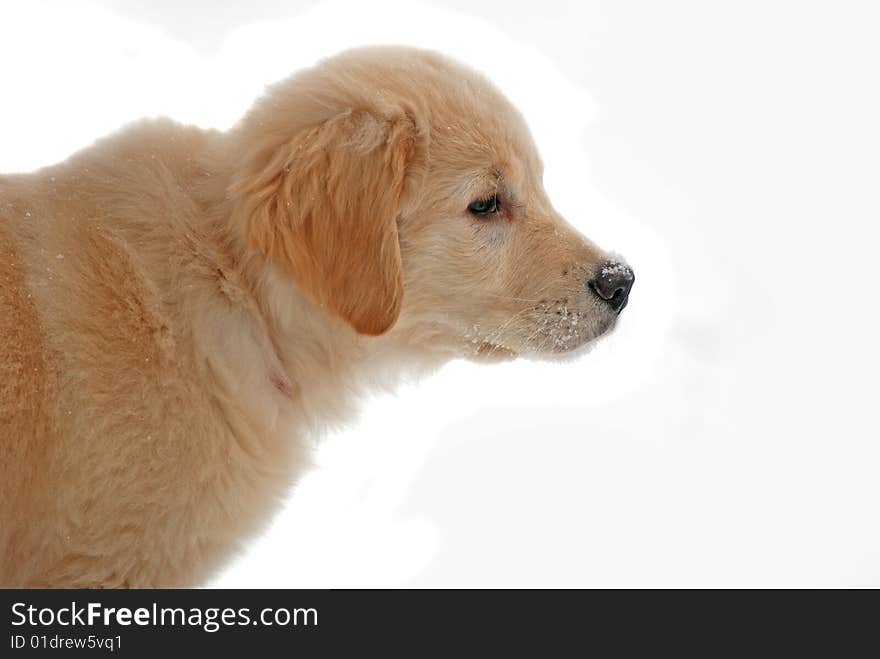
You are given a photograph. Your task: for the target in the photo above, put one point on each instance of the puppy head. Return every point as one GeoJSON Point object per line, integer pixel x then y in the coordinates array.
{"type": "Point", "coordinates": [402, 191]}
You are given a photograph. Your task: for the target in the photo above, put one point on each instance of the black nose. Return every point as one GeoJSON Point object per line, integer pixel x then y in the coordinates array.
{"type": "Point", "coordinates": [612, 283]}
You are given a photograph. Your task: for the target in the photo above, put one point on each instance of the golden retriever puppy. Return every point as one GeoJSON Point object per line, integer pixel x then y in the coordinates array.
{"type": "Point", "coordinates": [180, 307]}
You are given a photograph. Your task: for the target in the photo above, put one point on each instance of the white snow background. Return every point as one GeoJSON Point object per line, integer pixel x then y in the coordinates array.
{"type": "Point", "coordinates": [725, 435]}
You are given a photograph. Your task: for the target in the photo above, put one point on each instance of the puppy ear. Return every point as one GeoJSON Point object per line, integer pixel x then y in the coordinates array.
{"type": "Point", "coordinates": [325, 207]}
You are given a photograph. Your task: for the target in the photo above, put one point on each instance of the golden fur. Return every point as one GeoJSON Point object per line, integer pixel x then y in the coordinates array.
{"type": "Point", "coordinates": [180, 307]}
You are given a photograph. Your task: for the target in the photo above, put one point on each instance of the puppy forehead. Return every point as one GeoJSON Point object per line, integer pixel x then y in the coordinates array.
{"type": "Point", "coordinates": [472, 126]}
{"type": "Point", "coordinates": [477, 151]}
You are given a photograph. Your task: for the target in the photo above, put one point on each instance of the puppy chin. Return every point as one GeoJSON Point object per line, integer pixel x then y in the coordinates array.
{"type": "Point", "coordinates": [489, 353]}
{"type": "Point", "coordinates": [566, 352]}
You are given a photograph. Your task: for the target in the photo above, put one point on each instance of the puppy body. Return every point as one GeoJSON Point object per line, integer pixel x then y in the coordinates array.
{"type": "Point", "coordinates": [180, 309]}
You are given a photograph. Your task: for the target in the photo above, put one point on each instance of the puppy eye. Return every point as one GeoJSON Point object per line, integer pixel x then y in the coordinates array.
{"type": "Point", "coordinates": [485, 208]}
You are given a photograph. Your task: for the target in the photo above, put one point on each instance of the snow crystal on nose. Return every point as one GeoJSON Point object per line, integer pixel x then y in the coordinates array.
{"type": "Point", "coordinates": [612, 269]}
